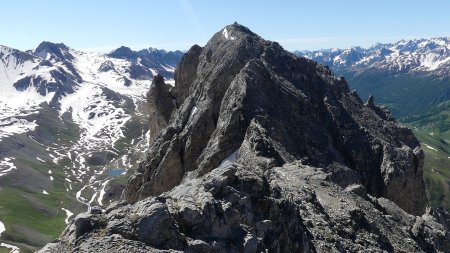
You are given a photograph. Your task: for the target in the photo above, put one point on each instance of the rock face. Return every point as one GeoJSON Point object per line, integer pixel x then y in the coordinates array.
{"type": "Point", "coordinates": [263, 151]}
{"type": "Point", "coordinates": [161, 104]}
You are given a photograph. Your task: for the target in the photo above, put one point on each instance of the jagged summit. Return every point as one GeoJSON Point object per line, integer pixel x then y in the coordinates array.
{"type": "Point", "coordinates": [53, 51]}
{"type": "Point", "coordinates": [4, 48]}
{"type": "Point", "coordinates": [169, 58]}
{"type": "Point", "coordinates": [123, 53]}
{"type": "Point", "coordinates": [264, 151]}
{"type": "Point", "coordinates": [160, 60]}
{"type": "Point", "coordinates": [13, 56]}
{"type": "Point", "coordinates": [51, 47]}
{"type": "Point", "coordinates": [240, 30]}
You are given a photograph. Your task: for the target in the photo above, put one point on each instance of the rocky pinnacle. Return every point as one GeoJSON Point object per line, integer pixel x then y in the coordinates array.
{"type": "Point", "coordinates": [257, 150]}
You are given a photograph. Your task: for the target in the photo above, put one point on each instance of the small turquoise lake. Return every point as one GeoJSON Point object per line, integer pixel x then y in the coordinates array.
{"type": "Point", "coordinates": [115, 172]}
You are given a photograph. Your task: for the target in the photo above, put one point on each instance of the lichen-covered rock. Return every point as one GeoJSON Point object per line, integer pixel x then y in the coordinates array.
{"type": "Point", "coordinates": [268, 152]}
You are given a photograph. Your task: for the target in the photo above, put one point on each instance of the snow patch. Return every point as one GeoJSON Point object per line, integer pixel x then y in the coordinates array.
{"type": "Point", "coordinates": [154, 72]}
{"type": "Point", "coordinates": [168, 68]}
{"type": "Point", "coordinates": [226, 35]}
{"type": "Point", "coordinates": [171, 82]}
{"type": "Point", "coordinates": [40, 160]}
{"type": "Point", "coordinates": [6, 166]}
{"type": "Point", "coordinates": [68, 214]}
{"type": "Point", "coordinates": [230, 159]}
{"type": "Point", "coordinates": [102, 193]}
{"type": "Point", "coordinates": [2, 228]}
{"type": "Point", "coordinates": [430, 147]}
{"type": "Point", "coordinates": [13, 248]}
{"type": "Point", "coordinates": [435, 171]}
{"type": "Point", "coordinates": [14, 125]}
{"type": "Point", "coordinates": [194, 110]}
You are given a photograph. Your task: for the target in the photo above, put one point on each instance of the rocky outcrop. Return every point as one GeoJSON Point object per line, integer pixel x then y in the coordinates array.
{"type": "Point", "coordinates": [249, 95]}
{"type": "Point", "coordinates": [267, 152]}
{"type": "Point", "coordinates": [161, 104]}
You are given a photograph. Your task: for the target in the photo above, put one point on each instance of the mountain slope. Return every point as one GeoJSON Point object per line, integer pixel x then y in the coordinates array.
{"type": "Point", "coordinates": [409, 77]}
{"type": "Point", "coordinates": [266, 152]}
{"type": "Point", "coordinates": [412, 79]}
{"type": "Point", "coordinates": [433, 131]}
{"type": "Point", "coordinates": [437, 119]}
{"type": "Point", "coordinates": [71, 124]}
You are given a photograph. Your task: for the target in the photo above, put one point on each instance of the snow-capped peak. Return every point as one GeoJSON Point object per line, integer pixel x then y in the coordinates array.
{"type": "Point", "coordinates": [416, 55]}
{"type": "Point", "coordinates": [53, 51]}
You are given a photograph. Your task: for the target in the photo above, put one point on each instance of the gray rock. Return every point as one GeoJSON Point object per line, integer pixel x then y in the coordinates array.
{"type": "Point", "coordinates": [268, 152]}
{"type": "Point", "coordinates": [96, 210]}
{"type": "Point", "coordinates": [157, 228]}
{"type": "Point", "coordinates": [233, 99]}
{"type": "Point", "coordinates": [357, 189]}
{"type": "Point", "coordinates": [161, 103]}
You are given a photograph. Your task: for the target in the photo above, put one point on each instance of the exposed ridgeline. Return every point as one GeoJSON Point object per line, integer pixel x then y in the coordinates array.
{"type": "Point", "coordinates": [266, 152]}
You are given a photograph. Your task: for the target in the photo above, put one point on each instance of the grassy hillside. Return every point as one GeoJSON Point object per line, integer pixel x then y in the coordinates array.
{"type": "Point", "coordinates": [31, 217]}
{"type": "Point", "coordinates": [436, 120]}
{"type": "Point", "coordinates": [436, 167]}
{"type": "Point", "coordinates": [433, 131]}
{"type": "Point", "coordinates": [404, 94]}
{"type": "Point", "coordinates": [34, 197]}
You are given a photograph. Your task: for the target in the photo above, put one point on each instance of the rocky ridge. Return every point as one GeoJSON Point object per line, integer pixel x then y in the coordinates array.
{"type": "Point", "coordinates": [257, 150]}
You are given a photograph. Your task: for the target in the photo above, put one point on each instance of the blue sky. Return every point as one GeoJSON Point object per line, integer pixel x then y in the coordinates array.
{"type": "Point", "coordinates": [102, 25]}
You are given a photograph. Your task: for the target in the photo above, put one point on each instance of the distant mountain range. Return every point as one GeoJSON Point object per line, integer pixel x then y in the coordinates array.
{"type": "Point", "coordinates": [405, 56]}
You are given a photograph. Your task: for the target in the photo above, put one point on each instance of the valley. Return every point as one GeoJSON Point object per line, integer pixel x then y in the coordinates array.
{"type": "Point", "coordinates": [65, 148]}
{"type": "Point", "coordinates": [433, 130]}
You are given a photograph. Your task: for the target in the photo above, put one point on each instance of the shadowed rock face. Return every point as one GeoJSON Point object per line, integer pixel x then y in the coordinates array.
{"type": "Point", "coordinates": [267, 152]}
{"type": "Point", "coordinates": [247, 91]}
{"type": "Point", "coordinates": [161, 104]}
